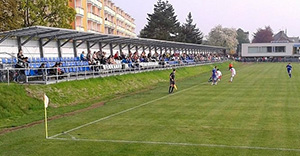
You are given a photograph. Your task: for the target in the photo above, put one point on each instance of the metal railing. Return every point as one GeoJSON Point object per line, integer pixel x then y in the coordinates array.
{"type": "Point", "coordinates": [62, 74]}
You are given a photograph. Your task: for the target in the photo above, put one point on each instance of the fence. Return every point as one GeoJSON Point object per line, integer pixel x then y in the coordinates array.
{"type": "Point", "coordinates": [62, 74]}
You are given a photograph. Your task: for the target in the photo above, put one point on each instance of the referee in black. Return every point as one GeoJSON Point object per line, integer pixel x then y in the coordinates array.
{"type": "Point", "coordinates": [172, 81]}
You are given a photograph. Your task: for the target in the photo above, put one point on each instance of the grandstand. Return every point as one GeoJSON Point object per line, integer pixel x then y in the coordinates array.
{"type": "Point", "coordinates": [49, 46]}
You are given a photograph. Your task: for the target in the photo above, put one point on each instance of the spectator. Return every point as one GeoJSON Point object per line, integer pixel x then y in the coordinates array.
{"type": "Point", "coordinates": [20, 56]}
{"type": "Point", "coordinates": [82, 57]}
{"type": "Point", "coordinates": [42, 71]}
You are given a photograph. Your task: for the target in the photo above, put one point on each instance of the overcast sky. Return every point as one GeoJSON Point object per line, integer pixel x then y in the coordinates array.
{"type": "Point", "coordinates": [246, 14]}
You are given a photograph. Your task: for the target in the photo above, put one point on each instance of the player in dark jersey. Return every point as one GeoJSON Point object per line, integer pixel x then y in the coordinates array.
{"type": "Point", "coordinates": [289, 69]}
{"type": "Point", "coordinates": [172, 81]}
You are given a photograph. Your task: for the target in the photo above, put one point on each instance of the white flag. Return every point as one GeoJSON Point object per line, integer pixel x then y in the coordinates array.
{"type": "Point", "coordinates": [46, 100]}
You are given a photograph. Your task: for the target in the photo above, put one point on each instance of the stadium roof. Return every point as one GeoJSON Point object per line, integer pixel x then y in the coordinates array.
{"type": "Point", "coordinates": [68, 34]}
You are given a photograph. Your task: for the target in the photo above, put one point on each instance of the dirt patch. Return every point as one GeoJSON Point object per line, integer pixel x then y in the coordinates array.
{"type": "Point", "coordinates": [7, 130]}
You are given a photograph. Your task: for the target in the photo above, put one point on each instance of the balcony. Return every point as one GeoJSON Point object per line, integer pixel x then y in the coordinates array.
{"type": "Point", "coordinates": [93, 31]}
{"type": "Point", "coordinates": [120, 29]}
{"type": "Point", "coordinates": [94, 18]}
{"type": "Point", "coordinates": [109, 24]}
{"type": "Point", "coordinates": [130, 23]}
{"type": "Point", "coordinates": [109, 11]}
{"type": "Point", "coordinates": [95, 3]}
{"type": "Point", "coordinates": [120, 18]}
{"type": "Point", "coordinates": [79, 11]}
{"type": "Point", "coordinates": [79, 28]}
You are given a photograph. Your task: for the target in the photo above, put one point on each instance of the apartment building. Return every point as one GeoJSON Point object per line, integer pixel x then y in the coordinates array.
{"type": "Point", "coordinates": [102, 16]}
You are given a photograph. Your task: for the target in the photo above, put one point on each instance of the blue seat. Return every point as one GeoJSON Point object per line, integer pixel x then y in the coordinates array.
{"type": "Point", "coordinates": [4, 61]}
{"type": "Point", "coordinates": [38, 59]}
{"type": "Point", "coordinates": [15, 61]}
{"type": "Point", "coordinates": [55, 59]}
{"type": "Point", "coordinates": [33, 60]}
{"type": "Point", "coordinates": [77, 59]}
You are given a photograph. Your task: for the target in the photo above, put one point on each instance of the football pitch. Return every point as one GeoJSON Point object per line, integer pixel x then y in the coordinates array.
{"type": "Point", "coordinates": [257, 114]}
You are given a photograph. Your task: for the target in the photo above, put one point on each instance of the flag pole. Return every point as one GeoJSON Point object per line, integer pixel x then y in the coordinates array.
{"type": "Point", "coordinates": [46, 124]}
{"type": "Point", "coordinates": [46, 102]}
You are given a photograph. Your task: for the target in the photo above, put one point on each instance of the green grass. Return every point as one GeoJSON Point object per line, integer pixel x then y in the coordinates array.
{"type": "Point", "coordinates": [259, 109]}
{"type": "Point", "coordinates": [21, 104]}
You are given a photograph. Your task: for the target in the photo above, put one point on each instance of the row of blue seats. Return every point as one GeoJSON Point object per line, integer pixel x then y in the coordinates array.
{"type": "Point", "coordinates": [33, 72]}
{"type": "Point", "coordinates": [38, 60]}
{"type": "Point", "coordinates": [53, 59]}
{"type": "Point", "coordinates": [64, 64]}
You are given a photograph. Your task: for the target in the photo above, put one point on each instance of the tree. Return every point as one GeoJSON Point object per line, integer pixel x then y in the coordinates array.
{"type": "Point", "coordinates": [162, 24]}
{"type": "Point", "coordinates": [242, 37]}
{"type": "Point", "coordinates": [10, 12]}
{"type": "Point", "coordinates": [52, 13]}
{"type": "Point", "coordinates": [225, 37]}
{"type": "Point", "coordinates": [189, 33]}
{"type": "Point", "coordinates": [263, 35]}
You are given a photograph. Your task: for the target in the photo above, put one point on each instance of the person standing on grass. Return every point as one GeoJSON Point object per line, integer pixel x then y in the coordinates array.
{"type": "Point", "coordinates": [233, 73]}
{"type": "Point", "coordinates": [289, 69]}
{"type": "Point", "coordinates": [230, 66]}
{"type": "Point", "coordinates": [219, 75]}
{"type": "Point", "coordinates": [214, 76]}
{"type": "Point", "coordinates": [172, 81]}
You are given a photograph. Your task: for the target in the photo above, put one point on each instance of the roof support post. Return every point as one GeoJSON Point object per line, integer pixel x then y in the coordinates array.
{"type": "Point", "coordinates": [136, 48]}
{"type": "Point", "coordinates": [160, 50]}
{"type": "Point", "coordinates": [88, 47]}
{"type": "Point", "coordinates": [111, 49]}
{"type": "Point", "coordinates": [120, 48]}
{"type": "Point", "coordinates": [128, 47]}
{"type": "Point", "coordinates": [19, 43]}
{"type": "Point", "coordinates": [74, 48]}
{"type": "Point", "coordinates": [100, 46]}
{"type": "Point", "coordinates": [41, 48]}
{"type": "Point", "coordinates": [59, 48]}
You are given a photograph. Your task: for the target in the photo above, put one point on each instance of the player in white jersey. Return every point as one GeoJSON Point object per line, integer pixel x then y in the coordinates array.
{"type": "Point", "coordinates": [233, 73]}
{"type": "Point", "coordinates": [219, 75]}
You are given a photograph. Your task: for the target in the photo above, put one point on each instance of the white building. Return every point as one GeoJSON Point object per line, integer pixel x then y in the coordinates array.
{"type": "Point", "coordinates": [252, 50]}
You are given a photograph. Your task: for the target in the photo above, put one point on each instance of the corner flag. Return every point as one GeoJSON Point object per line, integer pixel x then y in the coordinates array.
{"type": "Point", "coordinates": [46, 102]}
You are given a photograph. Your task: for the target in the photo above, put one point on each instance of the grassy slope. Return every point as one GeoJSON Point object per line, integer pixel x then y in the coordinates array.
{"type": "Point", "coordinates": [20, 104]}
{"type": "Point", "coordinates": [259, 109]}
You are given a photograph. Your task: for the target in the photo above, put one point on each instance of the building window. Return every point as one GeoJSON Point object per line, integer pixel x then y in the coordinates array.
{"type": "Point", "coordinates": [280, 49]}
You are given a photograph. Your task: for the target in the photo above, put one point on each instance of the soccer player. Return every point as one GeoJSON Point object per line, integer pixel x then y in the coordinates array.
{"type": "Point", "coordinates": [214, 76]}
{"type": "Point", "coordinates": [219, 75]}
{"type": "Point", "coordinates": [230, 66]}
{"type": "Point", "coordinates": [233, 73]}
{"type": "Point", "coordinates": [172, 81]}
{"type": "Point", "coordinates": [289, 69]}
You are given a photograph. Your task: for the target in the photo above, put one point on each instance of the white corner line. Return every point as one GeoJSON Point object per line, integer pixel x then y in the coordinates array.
{"type": "Point", "coordinates": [122, 112]}
{"type": "Point", "coordinates": [179, 144]}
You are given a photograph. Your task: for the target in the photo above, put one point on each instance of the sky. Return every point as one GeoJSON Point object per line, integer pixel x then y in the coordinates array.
{"type": "Point", "coordinates": [246, 14]}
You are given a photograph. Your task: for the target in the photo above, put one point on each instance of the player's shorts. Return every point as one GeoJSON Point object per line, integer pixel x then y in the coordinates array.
{"type": "Point", "coordinates": [232, 75]}
{"type": "Point", "coordinates": [219, 77]}
{"type": "Point", "coordinates": [172, 82]}
{"type": "Point", "coordinates": [289, 71]}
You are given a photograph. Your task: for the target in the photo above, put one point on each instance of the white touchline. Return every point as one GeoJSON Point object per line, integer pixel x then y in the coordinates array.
{"type": "Point", "coordinates": [124, 111]}
{"type": "Point", "coordinates": [179, 144]}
